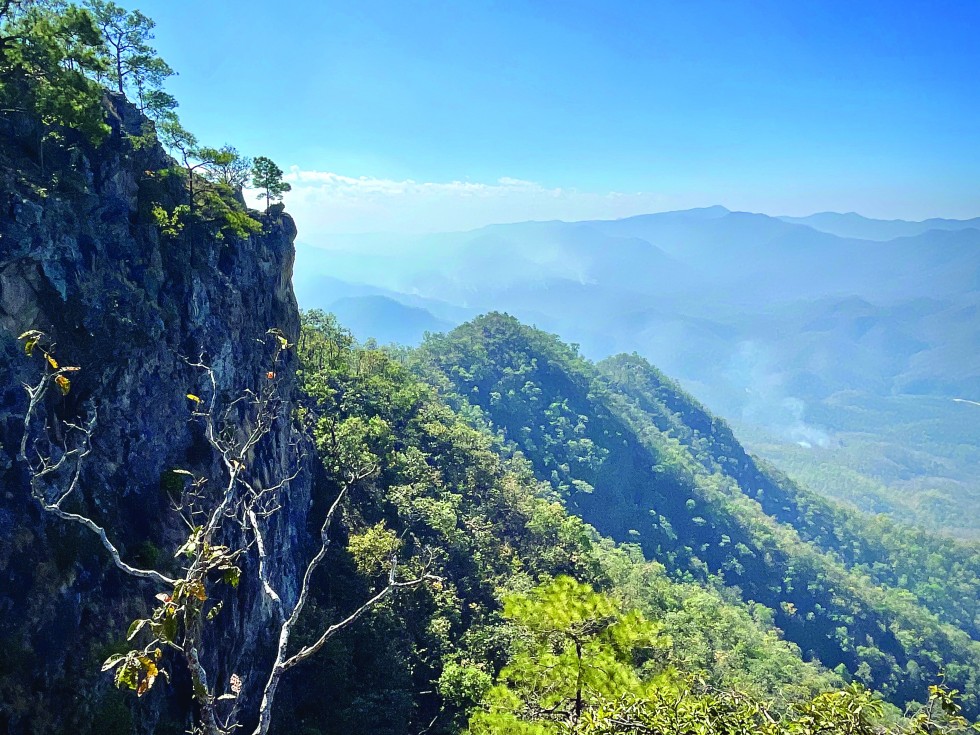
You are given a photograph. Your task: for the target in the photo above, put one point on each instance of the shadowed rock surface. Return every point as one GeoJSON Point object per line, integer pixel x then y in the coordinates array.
{"type": "Point", "coordinates": [81, 260]}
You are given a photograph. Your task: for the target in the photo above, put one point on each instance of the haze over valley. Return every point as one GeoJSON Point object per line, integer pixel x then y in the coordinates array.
{"type": "Point", "coordinates": [835, 342]}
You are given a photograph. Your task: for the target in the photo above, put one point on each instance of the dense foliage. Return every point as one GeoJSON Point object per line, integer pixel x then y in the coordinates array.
{"type": "Point", "coordinates": [642, 462]}
{"type": "Point", "coordinates": [49, 56]}
{"type": "Point", "coordinates": [449, 488]}
{"type": "Point", "coordinates": [944, 575]}
{"type": "Point", "coordinates": [497, 532]}
{"type": "Point", "coordinates": [584, 665]}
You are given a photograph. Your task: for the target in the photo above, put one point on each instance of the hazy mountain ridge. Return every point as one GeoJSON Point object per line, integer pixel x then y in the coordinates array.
{"type": "Point", "coordinates": [853, 224]}
{"type": "Point", "coordinates": [385, 319]}
{"type": "Point", "coordinates": [753, 277]}
{"type": "Point", "coordinates": [691, 260]}
{"type": "Point", "coordinates": [763, 318]}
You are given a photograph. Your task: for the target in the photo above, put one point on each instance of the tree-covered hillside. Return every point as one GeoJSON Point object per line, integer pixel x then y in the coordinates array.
{"type": "Point", "coordinates": [642, 462]}
{"type": "Point", "coordinates": [448, 488]}
{"type": "Point", "coordinates": [843, 353]}
{"type": "Point", "coordinates": [494, 526]}
{"type": "Point", "coordinates": [944, 575]}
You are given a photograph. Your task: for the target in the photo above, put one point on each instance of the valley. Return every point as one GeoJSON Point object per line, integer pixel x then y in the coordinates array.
{"type": "Point", "coordinates": [835, 343]}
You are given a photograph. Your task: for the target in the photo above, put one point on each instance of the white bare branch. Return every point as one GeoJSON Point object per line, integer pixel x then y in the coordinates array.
{"type": "Point", "coordinates": [267, 587]}
{"type": "Point", "coordinates": [237, 508]}
{"type": "Point", "coordinates": [45, 470]}
{"type": "Point", "coordinates": [392, 586]}
{"type": "Point", "coordinates": [284, 662]}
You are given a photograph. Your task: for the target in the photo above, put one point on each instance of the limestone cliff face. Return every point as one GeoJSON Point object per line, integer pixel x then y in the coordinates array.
{"type": "Point", "coordinates": [81, 260]}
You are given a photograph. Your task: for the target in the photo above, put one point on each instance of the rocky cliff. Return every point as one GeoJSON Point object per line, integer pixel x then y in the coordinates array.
{"type": "Point", "coordinates": [81, 259]}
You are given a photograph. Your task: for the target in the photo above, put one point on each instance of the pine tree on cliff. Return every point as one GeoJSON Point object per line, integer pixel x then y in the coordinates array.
{"type": "Point", "coordinates": [267, 175]}
{"type": "Point", "coordinates": [131, 59]}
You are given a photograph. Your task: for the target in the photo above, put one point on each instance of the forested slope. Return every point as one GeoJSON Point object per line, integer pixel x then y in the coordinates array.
{"type": "Point", "coordinates": [643, 463]}
{"type": "Point", "coordinates": [459, 498]}
{"type": "Point", "coordinates": [943, 574]}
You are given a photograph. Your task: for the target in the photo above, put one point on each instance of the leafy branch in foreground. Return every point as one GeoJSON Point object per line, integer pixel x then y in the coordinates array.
{"type": "Point", "coordinates": [228, 519]}
{"type": "Point", "coordinates": [54, 457]}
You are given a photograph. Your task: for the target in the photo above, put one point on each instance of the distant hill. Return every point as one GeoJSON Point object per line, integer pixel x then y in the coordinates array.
{"type": "Point", "coordinates": [754, 259]}
{"type": "Point", "coordinates": [853, 224]}
{"type": "Point", "coordinates": [386, 320]}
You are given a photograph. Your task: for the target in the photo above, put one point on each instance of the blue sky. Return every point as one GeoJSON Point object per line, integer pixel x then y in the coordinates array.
{"type": "Point", "coordinates": [442, 115]}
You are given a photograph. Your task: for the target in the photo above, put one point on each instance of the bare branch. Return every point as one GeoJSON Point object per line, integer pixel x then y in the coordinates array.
{"type": "Point", "coordinates": [283, 662]}
{"type": "Point", "coordinates": [236, 507]}
{"type": "Point", "coordinates": [45, 468]}
{"type": "Point", "coordinates": [263, 562]}
{"type": "Point", "coordinates": [392, 586]}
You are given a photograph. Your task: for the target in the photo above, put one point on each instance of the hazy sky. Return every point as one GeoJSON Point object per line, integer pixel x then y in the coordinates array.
{"type": "Point", "coordinates": [420, 116]}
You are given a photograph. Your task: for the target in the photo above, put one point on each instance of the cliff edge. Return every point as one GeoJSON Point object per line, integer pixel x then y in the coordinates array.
{"type": "Point", "coordinates": [82, 259]}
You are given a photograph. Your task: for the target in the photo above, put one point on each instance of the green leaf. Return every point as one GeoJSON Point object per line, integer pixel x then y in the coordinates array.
{"type": "Point", "coordinates": [232, 576]}
{"type": "Point", "coordinates": [167, 631]}
{"type": "Point", "coordinates": [113, 661]}
{"type": "Point", "coordinates": [135, 628]}
{"type": "Point", "coordinates": [127, 675]}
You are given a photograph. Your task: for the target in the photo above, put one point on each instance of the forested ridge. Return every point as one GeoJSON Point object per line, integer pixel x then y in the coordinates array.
{"type": "Point", "coordinates": [455, 483]}
{"type": "Point", "coordinates": [211, 503]}
{"type": "Point", "coordinates": [942, 573]}
{"type": "Point", "coordinates": [645, 463]}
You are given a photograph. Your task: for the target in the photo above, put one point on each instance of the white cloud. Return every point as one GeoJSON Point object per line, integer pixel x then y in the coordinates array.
{"type": "Point", "coordinates": [325, 202]}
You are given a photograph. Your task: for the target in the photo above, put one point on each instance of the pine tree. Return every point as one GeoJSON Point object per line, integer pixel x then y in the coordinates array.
{"type": "Point", "coordinates": [267, 175]}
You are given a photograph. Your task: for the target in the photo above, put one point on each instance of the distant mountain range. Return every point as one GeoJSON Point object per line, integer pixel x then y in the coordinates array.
{"type": "Point", "coordinates": [771, 321]}
{"type": "Point", "coordinates": [699, 292]}
{"type": "Point", "coordinates": [853, 224]}
{"type": "Point", "coordinates": [385, 319]}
